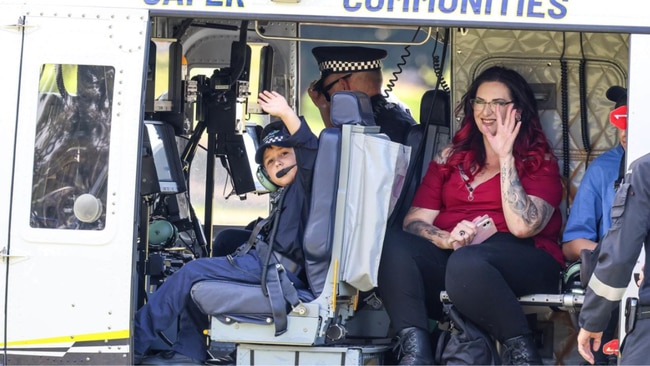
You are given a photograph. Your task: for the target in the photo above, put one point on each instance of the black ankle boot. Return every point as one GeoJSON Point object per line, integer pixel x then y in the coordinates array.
{"type": "Point", "coordinates": [414, 347]}
{"type": "Point", "coordinates": [520, 351]}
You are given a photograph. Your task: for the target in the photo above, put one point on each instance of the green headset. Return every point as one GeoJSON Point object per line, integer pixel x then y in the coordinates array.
{"type": "Point", "coordinates": [274, 133]}
{"type": "Point", "coordinates": [162, 233]}
{"type": "Point", "coordinates": [265, 180]}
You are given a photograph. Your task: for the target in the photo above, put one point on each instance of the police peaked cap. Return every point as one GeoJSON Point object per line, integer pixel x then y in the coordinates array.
{"type": "Point", "coordinates": [275, 133]}
{"type": "Point", "coordinates": [346, 59]}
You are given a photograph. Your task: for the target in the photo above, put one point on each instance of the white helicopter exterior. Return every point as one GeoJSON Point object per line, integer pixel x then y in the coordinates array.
{"type": "Point", "coordinates": [70, 293]}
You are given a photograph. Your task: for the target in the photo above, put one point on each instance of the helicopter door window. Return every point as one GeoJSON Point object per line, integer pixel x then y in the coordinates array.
{"type": "Point", "coordinates": [71, 147]}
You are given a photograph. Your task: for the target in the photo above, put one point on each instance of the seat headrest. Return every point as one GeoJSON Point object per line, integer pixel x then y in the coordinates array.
{"type": "Point", "coordinates": [351, 108]}
{"type": "Point", "coordinates": [435, 108]}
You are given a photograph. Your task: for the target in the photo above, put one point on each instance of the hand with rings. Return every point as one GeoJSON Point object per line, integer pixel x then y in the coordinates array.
{"type": "Point", "coordinates": [462, 234]}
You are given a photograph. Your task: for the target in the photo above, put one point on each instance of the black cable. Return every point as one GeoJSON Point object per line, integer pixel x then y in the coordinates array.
{"type": "Point", "coordinates": [403, 57]}
{"type": "Point", "coordinates": [59, 81]}
{"type": "Point", "coordinates": [411, 172]}
{"type": "Point", "coordinates": [565, 119]}
{"type": "Point", "coordinates": [437, 68]}
{"type": "Point", "coordinates": [584, 123]}
{"type": "Point", "coordinates": [393, 80]}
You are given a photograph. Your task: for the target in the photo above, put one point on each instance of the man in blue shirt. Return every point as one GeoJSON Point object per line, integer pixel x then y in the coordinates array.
{"type": "Point", "coordinates": [589, 219]}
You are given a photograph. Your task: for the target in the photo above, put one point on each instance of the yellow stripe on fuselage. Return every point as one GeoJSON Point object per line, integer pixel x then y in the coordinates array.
{"type": "Point", "coordinates": [118, 334]}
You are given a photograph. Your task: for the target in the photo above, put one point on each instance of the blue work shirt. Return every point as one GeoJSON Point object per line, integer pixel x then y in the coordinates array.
{"type": "Point", "coordinates": [589, 217]}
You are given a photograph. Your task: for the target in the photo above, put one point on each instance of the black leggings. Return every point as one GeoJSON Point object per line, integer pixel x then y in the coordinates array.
{"type": "Point", "coordinates": [482, 280]}
{"type": "Point", "coordinates": [411, 276]}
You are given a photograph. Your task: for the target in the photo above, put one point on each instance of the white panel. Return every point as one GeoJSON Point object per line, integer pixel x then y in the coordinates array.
{"type": "Point", "coordinates": [528, 14]}
{"type": "Point", "coordinates": [638, 129]}
{"type": "Point", "coordinates": [596, 15]}
{"type": "Point", "coordinates": [76, 284]}
{"type": "Point", "coordinates": [252, 354]}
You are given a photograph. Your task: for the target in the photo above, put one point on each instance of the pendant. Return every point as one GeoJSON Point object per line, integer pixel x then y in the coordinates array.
{"type": "Point", "coordinates": [470, 196]}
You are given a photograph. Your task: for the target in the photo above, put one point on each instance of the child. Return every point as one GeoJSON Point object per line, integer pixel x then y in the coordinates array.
{"type": "Point", "coordinates": [287, 155]}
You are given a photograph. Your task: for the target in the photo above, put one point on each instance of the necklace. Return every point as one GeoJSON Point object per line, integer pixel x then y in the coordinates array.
{"type": "Point", "coordinates": [470, 189]}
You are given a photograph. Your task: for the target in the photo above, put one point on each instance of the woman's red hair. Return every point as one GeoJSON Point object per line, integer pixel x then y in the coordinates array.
{"type": "Point", "coordinates": [531, 146]}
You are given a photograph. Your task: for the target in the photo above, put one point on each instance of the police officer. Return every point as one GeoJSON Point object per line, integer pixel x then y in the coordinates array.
{"type": "Point", "coordinates": [620, 249]}
{"type": "Point", "coordinates": [357, 69]}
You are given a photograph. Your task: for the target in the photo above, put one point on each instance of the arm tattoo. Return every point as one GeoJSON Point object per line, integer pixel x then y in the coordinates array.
{"type": "Point", "coordinates": [535, 213]}
{"type": "Point", "coordinates": [423, 229]}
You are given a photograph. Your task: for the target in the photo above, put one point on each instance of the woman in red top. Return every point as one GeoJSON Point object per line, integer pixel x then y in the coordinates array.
{"type": "Point", "coordinates": [500, 165]}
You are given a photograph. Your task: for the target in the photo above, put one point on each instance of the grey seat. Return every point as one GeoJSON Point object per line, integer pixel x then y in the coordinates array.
{"type": "Point", "coordinates": [317, 321]}
{"type": "Point", "coordinates": [426, 139]}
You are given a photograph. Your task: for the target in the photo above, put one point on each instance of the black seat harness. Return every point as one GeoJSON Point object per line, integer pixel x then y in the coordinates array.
{"type": "Point", "coordinates": [275, 283]}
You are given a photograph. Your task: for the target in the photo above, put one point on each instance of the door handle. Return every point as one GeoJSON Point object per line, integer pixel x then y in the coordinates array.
{"type": "Point", "coordinates": [3, 254]}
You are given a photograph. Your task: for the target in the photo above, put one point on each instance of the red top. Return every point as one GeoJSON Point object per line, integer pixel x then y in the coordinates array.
{"type": "Point", "coordinates": [451, 199]}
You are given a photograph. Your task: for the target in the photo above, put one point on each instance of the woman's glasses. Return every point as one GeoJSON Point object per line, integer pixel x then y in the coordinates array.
{"type": "Point", "coordinates": [479, 104]}
{"type": "Point", "coordinates": [325, 90]}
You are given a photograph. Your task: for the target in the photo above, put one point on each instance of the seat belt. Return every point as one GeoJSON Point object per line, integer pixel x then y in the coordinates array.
{"type": "Point", "coordinates": [275, 282]}
{"type": "Point", "coordinates": [277, 286]}
{"type": "Point", "coordinates": [250, 243]}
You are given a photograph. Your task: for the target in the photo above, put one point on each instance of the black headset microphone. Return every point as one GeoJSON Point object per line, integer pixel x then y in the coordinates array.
{"type": "Point", "coordinates": [282, 172]}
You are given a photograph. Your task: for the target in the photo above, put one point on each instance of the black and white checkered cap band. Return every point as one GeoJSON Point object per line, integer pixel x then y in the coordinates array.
{"type": "Point", "coordinates": [349, 66]}
{"type": "Point", "coordinates": [274, 137]}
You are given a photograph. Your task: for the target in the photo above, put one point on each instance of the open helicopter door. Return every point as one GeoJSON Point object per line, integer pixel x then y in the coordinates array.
{"type": "Point", "coordinates": [76, 87]}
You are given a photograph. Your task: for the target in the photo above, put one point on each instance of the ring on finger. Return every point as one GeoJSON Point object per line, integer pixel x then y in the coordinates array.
{"type": "Point", "coordinates": [461, 233]}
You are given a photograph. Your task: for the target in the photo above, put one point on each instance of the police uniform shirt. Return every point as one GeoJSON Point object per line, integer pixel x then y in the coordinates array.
{"type": "Point", "coordinates": [391, 118]}
{"type": "Point", "coordinates": [620, 249]}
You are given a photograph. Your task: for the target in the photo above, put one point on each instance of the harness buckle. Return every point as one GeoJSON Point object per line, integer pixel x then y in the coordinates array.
{"type": "Point", "coordinates": [300, 309]}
